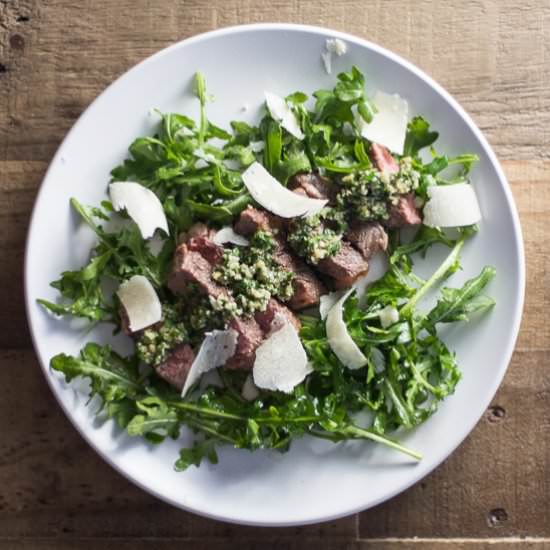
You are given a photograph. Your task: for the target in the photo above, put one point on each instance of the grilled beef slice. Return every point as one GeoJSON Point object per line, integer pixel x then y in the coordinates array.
{"type": "Point", "coordinates": [367, 237]}
{"type": "Point", "coordinates": [404, 212]}
{"type": "Point", "coordinates": [383, 159]}
{"type": "Point", "coordinates": [312, 185]}
{"type": "Point", "coordinates": [345, 266]}
{"type": "Point", "coordinates": [175, 368]}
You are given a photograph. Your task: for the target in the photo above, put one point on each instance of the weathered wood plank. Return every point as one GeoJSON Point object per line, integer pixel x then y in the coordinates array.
{"type": "Point", "coordinates": [273, 543]}
{"type": "Point", "coordinates": [498, 481]}
{"type": "Point", "coordinates": [19, 181]}
{"type": "Point", "coordinates": [54, 485]}
{"type": "Point", "coordinates": [493, 56]}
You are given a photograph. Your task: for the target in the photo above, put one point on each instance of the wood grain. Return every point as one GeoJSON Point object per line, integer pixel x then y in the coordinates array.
{"type": "Point", "coordinates": [57, 56]}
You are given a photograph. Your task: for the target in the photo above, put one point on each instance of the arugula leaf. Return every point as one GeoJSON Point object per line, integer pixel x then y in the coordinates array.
{"type": "Point", "coordinates": [457, 304]}
{"type": "Point", "coordinates": [112, 377]}
{"type": "Point", "coordinates": [418, 136]}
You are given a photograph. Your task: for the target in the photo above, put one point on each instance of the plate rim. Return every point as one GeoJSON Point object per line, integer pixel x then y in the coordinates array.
{"type": "Point", "coordinates": [464, 430]}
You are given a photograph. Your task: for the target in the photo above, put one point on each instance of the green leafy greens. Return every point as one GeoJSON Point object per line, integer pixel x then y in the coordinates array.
{"type": "Point", "coordinates": [409, 368]}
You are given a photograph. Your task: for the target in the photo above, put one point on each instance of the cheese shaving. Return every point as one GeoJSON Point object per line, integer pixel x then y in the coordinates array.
{"type": "Point", "coordinates": [140, 302]}
{"type": "Point", "coordinates": [281, 361]}
{"type": "Point", "coordinates": [216, 348]}
{"type": "Point", "coordinates": [283, 114]}
{"type": "Point", "coordinates": [276, 198]}
{"type": "Point", "coordinates": [327, 302]}
{"type": "Point", "coordinates": [339, 338]}
{"type": "Point", "coordinates": [227, 235]}
{"type": "Point", "coordinates": [451, 206]}
{"type": "Point", "coordinates": [141, 204]}
{"type": "Point", "coordinates": [249, 390]}
{"type": "Point", "coordinates": [389, 125]}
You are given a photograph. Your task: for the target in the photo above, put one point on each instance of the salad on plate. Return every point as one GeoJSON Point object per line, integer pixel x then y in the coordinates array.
{"type": "Point", "coordinates": [265, 275]}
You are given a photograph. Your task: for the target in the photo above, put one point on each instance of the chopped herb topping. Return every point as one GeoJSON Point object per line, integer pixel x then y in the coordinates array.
{"type": "Point", "coordinates": [155, 342]}
{"type": "Point", "coordinates": [319, 236]}
{"type": "Point", "coordinates": [368, 194]}
{"type": "Point", "coordinates": [253, 277]}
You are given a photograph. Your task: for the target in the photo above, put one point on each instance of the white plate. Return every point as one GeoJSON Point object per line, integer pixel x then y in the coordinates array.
{"type": "Point", "coordinates": [315, 481]}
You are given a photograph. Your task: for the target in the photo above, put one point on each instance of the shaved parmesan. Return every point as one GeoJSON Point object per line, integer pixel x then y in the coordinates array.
{"type": "Point", "coordinates": [388, 316]}
{"type": "Point", "coordinates": [378, 265]}
{"type": "Point", "coordinates": [333, 45]}
{"type": "Point", "coordinates": [140, 302]}
{"type": "Point", "coordinates": [327, 301]}
{"type": "Point", "coordinates": [227, 235]}
{"type": "Point", "coordinates": [389, 124]}
{"type": "Point", "coordinates": [378, 360]}
{"type": "Point", "coordinates": [141, 204]}
{"type": "Point", "coordinates": [283, 114]}
{"type": "Point", "coordinates": [451, 206]}
{"type": "Point", "coordinates": [216, 348]}
{"type": "Point", "coordinates": [276, 198]}
{"type": "Point", "coordinates": [250, 391]}
{"type": "Point", "coordinates": [281, 361]}
{"type": "Point", "coordinates": [257, 146]}
{"type": "Point", "coordinates": [339, 338]}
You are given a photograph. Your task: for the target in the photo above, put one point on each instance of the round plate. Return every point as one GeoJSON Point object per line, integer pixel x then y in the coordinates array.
{"type": "Point", "coordinates": [316, 480]}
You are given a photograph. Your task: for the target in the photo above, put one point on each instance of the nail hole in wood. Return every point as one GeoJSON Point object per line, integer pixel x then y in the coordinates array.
{"type": "Point", "coordinates": [3, 68]}
{"type": "Point", "coordinates": [23, 18]}
{"type": "Point", "coordinates": [17, 42]}
{"type": "Point", "coordinates": [496, 414]}
{"type": "Point", "coordinates": [497, 517]}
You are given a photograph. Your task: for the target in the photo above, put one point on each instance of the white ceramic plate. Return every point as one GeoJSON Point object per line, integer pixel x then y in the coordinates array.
{"type": "Point", "coordinates": [315, 481]}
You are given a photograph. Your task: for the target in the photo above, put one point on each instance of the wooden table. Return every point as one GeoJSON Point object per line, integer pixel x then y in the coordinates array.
{"type": "Point", "coordinates": [56, 56]}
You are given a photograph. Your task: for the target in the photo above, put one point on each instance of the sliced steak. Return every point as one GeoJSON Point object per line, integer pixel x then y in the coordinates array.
{"type": "Point", "coordinates": [307, 288]}
{"type": "Point", "coordinates": [312, 185]}
{"type": "Point", "coordinates": [368, 238]}
{"type": "Point", "coordinates": [265, 318]}
{"type": "Point", "coordinates": [382, 159]}
{"type": "Point", "coordinates": [250, 336]}
{"type": "Point", "coordinates": [177, 365]}
{"type": "Point", "coordinates": [190, 266]}
{"type": "Point", "coordinates": [198, 229]}
{"type": "Point", "coordinates": [404, 212]}
{"type": "Point", "coordinates": [208, 249]}
{"type": "Point", "coordinates": [345, 266]}
{"type": "Point", "coordinates": [252, 219]}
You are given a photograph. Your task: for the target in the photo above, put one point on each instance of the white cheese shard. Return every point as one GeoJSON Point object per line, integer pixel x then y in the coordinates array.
{"type": "Point", "coordinates": [389, 124]}
{"type": "Point", "coordinates": [378, 265]}
{"type": "Point", "coordinates": [378, 360]}
{"type": "Point", "coordinates": [336, 45]}
{"type": "Point", "coordinates": [339, 338]}
{"type": "Point", "coordinates": [281, 361]}
{"type": "Point", "coordinates": [327, 301]}
{"type": "Point", "coordinates": [249, 390]}
{"type": "Point", "coordinates": [451, 206]}
{"type": "Point", "coordinates": [141, 204]}
{"type": "Point", "coordinates": [227, 235]}
{"type": "Point", "coordinates": [257, 146]}
{"type": "Point", "coordinates": [140, 301]}
{"type": "Point", "coordinates": [276, 198]}
{"type": "Point", "coordinates": [388, 316]}
{"type": "Point", "coordinates": [333, 46]}
{"type": "Point", "coordinates": [216, 348]}
{"type": "Point", "coordinates": [283, 114]}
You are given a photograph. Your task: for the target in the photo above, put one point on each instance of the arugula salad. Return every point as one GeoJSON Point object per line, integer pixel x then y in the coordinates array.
{"type": "Point", "coordinates": [265, 275]}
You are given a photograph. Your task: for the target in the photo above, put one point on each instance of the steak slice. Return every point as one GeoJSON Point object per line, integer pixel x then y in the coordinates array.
{"type": "Point", "coordinates": [252, 219]}
{"type": "Point", "coordinates": [345, 266]}
{"type": "Point", "coordinates": [265, 318]}
{"type": "Point", "coordinates": [368, 238]}
{"type": "Point", "coordinates": [382, 159]}
{"type": "Point", "coordinates": [198, 229]}
{"type": "Point", "coordinates": [312, 185]}
{"type": "Point", "coordinates": [250, 336]}
{"type": "Point", "coordinates": [307, 288]}
{"type": "Point", "coordinates": [190, 266]}
{"type": "Point", "coordinates": [404, 212]}
{"type": "Point", "coordinates": [208, 249]}
{"type": "Point", "coordinates": [175, 368]}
